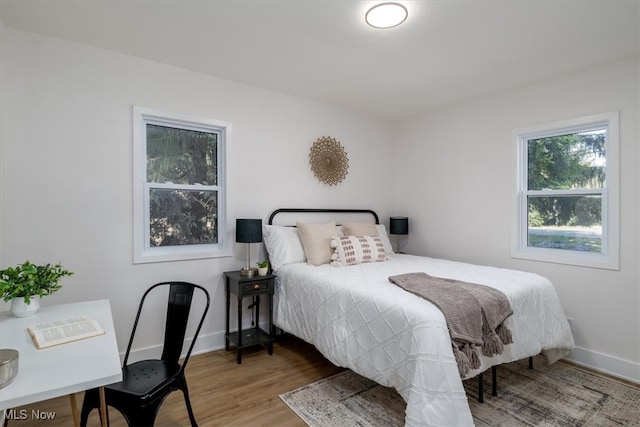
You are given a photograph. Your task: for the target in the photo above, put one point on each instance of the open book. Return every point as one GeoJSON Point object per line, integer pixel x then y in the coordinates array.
{"type": "Point", "coordinates": [63, 331]}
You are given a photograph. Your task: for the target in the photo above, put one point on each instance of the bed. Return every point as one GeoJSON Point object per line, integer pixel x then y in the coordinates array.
{"type": "Point", "coordinates": [358, 320]}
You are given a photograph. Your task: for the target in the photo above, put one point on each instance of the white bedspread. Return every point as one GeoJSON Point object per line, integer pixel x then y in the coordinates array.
{"type": "Point", "coordinates": [359, 320]}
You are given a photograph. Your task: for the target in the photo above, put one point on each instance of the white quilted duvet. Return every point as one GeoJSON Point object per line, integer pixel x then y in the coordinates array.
{"type": "Point", "coordinates": [360, 321]}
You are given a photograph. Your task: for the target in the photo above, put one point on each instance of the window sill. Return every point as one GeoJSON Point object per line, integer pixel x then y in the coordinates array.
{"type": "Point", "coordinates": [152, 255]}
{"type": "Point", "coordinates": [575, 258]}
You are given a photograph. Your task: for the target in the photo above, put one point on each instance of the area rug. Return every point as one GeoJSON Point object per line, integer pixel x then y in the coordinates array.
{"type": "Point", "coordinates": [548, 395]}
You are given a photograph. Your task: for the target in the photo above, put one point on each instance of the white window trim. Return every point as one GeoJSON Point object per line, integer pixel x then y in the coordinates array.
{"type": "Point", "coordinates": [142, 251]}
{"type": "Point", "coordinates": [609, 258]}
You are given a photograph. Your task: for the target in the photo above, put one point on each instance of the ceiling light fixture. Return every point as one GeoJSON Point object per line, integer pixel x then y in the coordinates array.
{"type": "Point", "coordinates": [386, 15]}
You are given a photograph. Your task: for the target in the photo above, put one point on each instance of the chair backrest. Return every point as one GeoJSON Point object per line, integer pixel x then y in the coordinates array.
{"type": "Point", "coordinates": [178, 311]}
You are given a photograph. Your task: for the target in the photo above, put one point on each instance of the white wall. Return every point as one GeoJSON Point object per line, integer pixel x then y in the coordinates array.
{"type": "Point", "coordinates": [638, 163]}
{"type": "Point", "coordinates": [454, 179]}
{"type": "Point", "coordinates": [69, 166]}
{"type": "Point", "coordinates": [2, 156]}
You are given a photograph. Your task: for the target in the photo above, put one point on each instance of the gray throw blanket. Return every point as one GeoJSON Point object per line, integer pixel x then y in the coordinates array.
{"type": "Point", "coordinates": [475, 314]}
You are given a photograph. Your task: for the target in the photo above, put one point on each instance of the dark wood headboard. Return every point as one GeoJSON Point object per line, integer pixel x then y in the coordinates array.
{"type": "Point", "coordinates": [322, 211]}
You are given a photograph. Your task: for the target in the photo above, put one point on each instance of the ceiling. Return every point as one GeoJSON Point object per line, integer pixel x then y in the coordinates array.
{"type": "Point", "coordinates": [447, 51]}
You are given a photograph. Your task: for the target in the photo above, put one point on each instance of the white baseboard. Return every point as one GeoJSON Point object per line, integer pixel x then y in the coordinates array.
{"type": "Point", "coordinates": [605, 363]}
{"type": "Point", "coordinates": [205, 344]}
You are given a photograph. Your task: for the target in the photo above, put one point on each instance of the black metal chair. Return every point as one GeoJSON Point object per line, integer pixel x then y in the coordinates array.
{"type": "Point", "coordinates": [145, 384]}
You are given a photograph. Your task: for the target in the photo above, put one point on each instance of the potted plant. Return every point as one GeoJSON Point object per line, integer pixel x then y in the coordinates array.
{"type": "Point", "coordinates": [22, 283]}
{"type": "Point", "coordinates": [263, 267]}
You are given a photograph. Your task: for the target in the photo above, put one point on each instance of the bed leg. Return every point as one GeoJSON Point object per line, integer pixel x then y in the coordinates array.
{"type": "Point", "coordinates": [494, 380]}
{"type": "Point", "coordinates": [481, 388]}
{"type": "Point", "coordinates": [530, 362]}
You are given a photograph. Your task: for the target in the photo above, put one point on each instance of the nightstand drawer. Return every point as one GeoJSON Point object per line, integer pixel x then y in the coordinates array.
{"type": "Point", "coordinates": [257, 286]}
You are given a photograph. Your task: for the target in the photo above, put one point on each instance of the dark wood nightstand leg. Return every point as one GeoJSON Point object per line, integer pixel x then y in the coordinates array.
{"type": "Point", "coordinates": [226, 335]}
{"type": "Point", "coordinates": [271, 336]}
{"type": "Point", "coordinates": [256, 302]}
{"type": "Point", "coordinates": [239, 349]}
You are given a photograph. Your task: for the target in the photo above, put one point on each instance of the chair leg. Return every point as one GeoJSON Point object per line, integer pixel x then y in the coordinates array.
{"type": "Point", "coordinates": [481, 388]}
{"type": "Point", "coordinates": [141, 416]}
{"type": "Point", "coordinates": [187, 401]}
{"type": "Point", "coordinates": [90, 402]}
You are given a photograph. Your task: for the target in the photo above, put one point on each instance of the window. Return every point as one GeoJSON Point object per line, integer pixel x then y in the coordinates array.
{"type": "Point", "coordinates": [179, 192]}
{"type": "Point", "coordinates": [566, 198]}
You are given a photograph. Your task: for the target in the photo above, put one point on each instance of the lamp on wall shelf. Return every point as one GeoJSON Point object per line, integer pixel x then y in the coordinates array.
{"type": "Point", "coordinates": [248, 231]}
{"type": "Point", "coordinates": [398, 225]}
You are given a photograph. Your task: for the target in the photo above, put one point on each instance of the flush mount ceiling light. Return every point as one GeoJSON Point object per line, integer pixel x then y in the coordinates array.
{"type": "Point", "coordinates": [386, 15]}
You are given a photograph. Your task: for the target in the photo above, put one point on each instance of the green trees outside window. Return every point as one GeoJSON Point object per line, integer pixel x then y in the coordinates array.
{"type": "Point", "coordinates": [566, 176]}
{"type": "Point", "coordinates": [182, 175]}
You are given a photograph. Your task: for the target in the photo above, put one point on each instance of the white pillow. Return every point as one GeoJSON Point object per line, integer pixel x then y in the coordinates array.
{"type": "Point", "coordinates": [382, 232]}
{"type": "Point", "coordinates": [316, 241]}
{"type": "Point", "coordinates": [369, 229]}
{"type": "Point", "coordinates": [350, 250]}
{"type": "Point", "coordinates": [283, 245]}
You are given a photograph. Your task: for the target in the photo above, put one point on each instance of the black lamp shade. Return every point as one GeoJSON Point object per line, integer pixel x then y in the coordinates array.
{"type": "Point", "coordinates": [248, 230]}
{"type": "Point", "coordinates": [399, 225]}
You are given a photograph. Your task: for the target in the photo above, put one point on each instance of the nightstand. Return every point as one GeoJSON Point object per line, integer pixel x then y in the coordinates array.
{"type": "Point", "coordinates": [241, 287]}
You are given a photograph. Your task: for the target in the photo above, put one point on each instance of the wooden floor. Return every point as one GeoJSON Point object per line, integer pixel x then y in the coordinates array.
{"type": "Point", "coordinates": [222, 392]}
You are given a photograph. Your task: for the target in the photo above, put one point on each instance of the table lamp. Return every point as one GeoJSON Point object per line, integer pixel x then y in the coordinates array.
{"type": "Point", "coordinates": [398, 225]}
{"type": "Point", "coordinates": [248, 231]}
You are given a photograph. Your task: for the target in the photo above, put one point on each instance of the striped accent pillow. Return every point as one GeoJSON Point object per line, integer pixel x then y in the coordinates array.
{"type": "Point", "coordinates": [350, 250]}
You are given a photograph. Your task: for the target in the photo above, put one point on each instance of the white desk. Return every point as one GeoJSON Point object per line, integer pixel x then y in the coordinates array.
{"type": "Point", "coordinates": [64, 369]}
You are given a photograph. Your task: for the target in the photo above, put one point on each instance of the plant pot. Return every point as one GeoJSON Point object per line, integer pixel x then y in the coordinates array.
{"type": "Point", "coordinates": [19, 308]}
{"type": "Point", "coordinates": [262, 271]}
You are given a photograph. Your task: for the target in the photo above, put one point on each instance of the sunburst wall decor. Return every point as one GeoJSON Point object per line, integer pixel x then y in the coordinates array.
{"type": "Point", "coordinates": [328, 160]}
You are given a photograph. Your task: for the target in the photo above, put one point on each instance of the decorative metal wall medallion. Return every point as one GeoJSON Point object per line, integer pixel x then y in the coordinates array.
{"type": "Point", "coordinates": [328, 160]}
